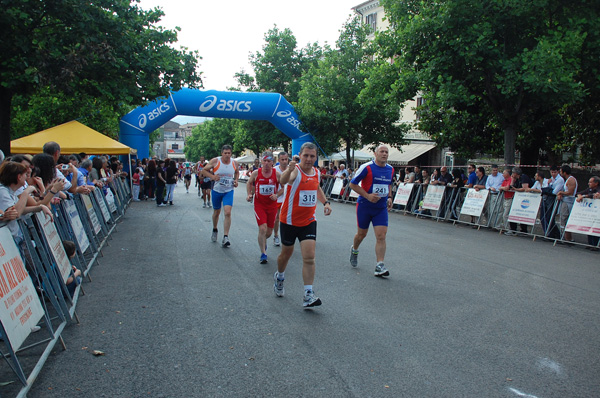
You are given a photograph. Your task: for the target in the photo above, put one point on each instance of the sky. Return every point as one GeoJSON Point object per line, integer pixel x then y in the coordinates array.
{"type": "Point", "coordinates": [225, 32]}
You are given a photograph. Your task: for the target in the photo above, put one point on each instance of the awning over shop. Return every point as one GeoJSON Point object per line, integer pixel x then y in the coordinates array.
{"type": "Point", "coordinates": [407, 152]}
{"type": "Point", "coordinates": [73, 137]}
{"type": "Point", "coordinates": [245, 159]}
{"type": "Point", "coordinates": [358, 156]}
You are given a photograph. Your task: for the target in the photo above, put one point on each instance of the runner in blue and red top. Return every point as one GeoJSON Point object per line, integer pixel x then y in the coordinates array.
{"type": "Point", "coordinates": [373, 204]}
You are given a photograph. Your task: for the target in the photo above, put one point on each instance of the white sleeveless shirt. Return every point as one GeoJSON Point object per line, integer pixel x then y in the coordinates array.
{"type": "Point", "coordinates": [226, 172]}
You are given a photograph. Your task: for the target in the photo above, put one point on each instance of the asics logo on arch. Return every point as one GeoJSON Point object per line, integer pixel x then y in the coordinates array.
{"type": "Point", "coordinates": [289, 118]}
{"type": "Point", "coordinates": [284, 113]}
{"type": "Point", "coordinates": [225, 106]}
{"type": "Point", "coordinates": [142, 120]}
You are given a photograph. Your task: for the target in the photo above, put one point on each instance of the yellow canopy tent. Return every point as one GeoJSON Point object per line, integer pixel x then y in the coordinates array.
{"type": "Point", "coordinates": [73, 137]}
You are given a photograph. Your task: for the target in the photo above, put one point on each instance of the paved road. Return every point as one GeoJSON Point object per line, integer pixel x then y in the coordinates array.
{"type": "Point", "coordinates": [465, 313]}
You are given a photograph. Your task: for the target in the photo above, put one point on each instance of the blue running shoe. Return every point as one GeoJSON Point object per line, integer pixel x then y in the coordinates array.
{"type": "Point", "coordinates": [263, 258]}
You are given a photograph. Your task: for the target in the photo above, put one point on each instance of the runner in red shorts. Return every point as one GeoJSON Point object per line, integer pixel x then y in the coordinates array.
{"type": "Point", "coordinates": [262, 187]}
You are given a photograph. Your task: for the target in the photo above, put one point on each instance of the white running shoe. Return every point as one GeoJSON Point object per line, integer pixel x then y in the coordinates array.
{"type": "Point", "coordinates": [278, 285]}
{"type": "Point", "coordinates": [353, 256]}
{"type": "Point", "coordinates": [213, 237]}
{"type": "Point", "coordinates": [310, 300]}
{"type": "Point", "coordinates": [276, 241]}
{"type": "Point", "coordinates": [225, 242]}
{"type": "Point", "coordinates": [380, 270]}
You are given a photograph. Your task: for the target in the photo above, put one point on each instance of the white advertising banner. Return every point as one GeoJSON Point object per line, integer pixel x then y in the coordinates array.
{"type": "Point", "coordinates": [403, 193]}
{"type": "Point", "coordinates": [433, 197]}
{"type": "Point", "coordinates": [89, 206]}
{"type": "Point", "coordinates": [56, 247]}
{"type": "Point", "coordinates": [337, 186]}
{"type": "Point", "coordinates": [474, 202]}
{"type": "Point", "coordinates": [524, 208]}
{"type": "Point", "coordinates": [104, 209]}
{"type": "Point", "coordinates": [585, 217]}
{"type": "Point", "coordinates": [20, 307]}
{"type": "Point", "coordinates": [80, 235]}
{"type": "Point", "coordinates": [110, 199]}
{"type": "Point", "coordinates": [354, 194]}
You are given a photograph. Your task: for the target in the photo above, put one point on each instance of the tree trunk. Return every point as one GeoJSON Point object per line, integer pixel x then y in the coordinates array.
{"type": "Point", "coordinates": [510, 138]}
{"type": "Point", "coordinates": [348, 154]}
{"type": "Point", "coordinates": [5, 107]}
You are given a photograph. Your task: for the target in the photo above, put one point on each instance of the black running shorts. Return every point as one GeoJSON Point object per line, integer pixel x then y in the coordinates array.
{"type": "Point", "coordinates": [289, 233]}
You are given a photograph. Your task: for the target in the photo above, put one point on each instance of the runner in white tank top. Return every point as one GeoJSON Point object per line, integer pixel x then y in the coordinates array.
{"type": "Point", "coordinates": [224, 172]}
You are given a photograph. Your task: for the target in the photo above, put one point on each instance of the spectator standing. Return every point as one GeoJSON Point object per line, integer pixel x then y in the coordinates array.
{"type": "Point", "coordinates": [151, 181]}
{"type": "Point", "coordinates": [589, 193]}
{"type": "Point", "coordinates": [136, 184]}
{"type": "Point", "coordinates": [471, 169]}
{"type": "Point", "coordinates": [521, 183]}
{"type": "Point", "coordinates": [161, 182]}
{"type": "Point", "coordinates": [494, 181]}
{"type": "Point", "coordinates": [172, 175]}
{"type": "Point", "coordinates": [508, 198]}
{"type": "Point", "coordinates": [567, 198]}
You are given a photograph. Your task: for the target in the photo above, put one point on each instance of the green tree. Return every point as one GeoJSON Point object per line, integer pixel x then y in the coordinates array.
{"type": "Point", "coordinates": [505, 60]}
{"type": "Point", "coordinates": [208, 138]}
{"type": "Point", "coordinates": [277, 68]}
{"type": "Point", "coordinates": [44, 109]}
{"type": "Point", "coordinates": [330, 103]}
{"type": "Point", "coordinates": [108, 50]}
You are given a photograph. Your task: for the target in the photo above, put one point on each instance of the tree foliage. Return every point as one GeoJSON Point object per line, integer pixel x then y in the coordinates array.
{"type": "Point", "coordinates": [109, 51]}
{"type": "Point", "coordinates": [208, 138]}
{"type": "Point", "coordinates": [330, 101]}
{"type": "Point", "coordinates": [277, 68]}
{"type": "Point", "coordinates": [496, 63]}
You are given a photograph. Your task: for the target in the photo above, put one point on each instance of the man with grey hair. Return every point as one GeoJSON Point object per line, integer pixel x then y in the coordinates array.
{"type": "Point", "coordinates": [83, 176]}
{"type": "Point", "coordinates": [53, 149]}
{"type": "Point", "coordinates": [375, 200]}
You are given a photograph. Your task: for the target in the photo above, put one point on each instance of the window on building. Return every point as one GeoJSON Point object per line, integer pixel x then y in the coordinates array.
{"type": "Point", "coordinates": [175, 146]}
{"type": "Point", "coordinates": [371, 20]}
{"type": "Point", "coordinates": [420, 102]}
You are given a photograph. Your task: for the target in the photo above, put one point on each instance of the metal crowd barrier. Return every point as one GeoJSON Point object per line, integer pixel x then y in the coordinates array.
{"type": "Point", "coordinates": [33, 288]}
{"type": "Point", "coordinates": [478, 208]}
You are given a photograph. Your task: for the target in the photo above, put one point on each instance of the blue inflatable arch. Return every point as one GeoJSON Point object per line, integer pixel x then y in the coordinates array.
{"type": "Point", "coordinates": [136, 126]}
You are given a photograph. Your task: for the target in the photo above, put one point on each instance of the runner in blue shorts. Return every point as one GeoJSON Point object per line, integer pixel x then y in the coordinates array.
{"type": "Point", "coordinates": [373, 204]}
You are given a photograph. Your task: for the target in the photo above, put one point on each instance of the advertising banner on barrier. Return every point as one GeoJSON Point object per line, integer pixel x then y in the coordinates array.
{"type": "Point", "coordinates": [354, 194]}
{"type": "Point", "coordinates": [89, 206]}
{"type": "Point", "coordinates": [110, 199]}
{"type": "Point", "coordinates": [433, 197]}
{"type": "Point", "coordinates": [474, 202]}
{"type": "Point", "coordinates": [80, 235]}
{"type": "Point", "coordinates": [99, 197]}
{"type": "Point", "coordinates": [403, 193]}
{"type": "Point", "coordinates": [337, 186]}
{"type": "Point", "coordinates": [56, 246]}
{"type": "Point", "coordinates": [585, 217]}
{"type": "Point", "coordinates": [524, 208]}
{"type": "Point", "coordinates": [20, 307]}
